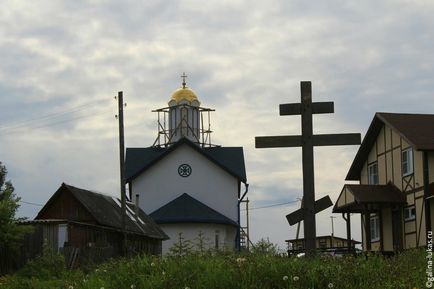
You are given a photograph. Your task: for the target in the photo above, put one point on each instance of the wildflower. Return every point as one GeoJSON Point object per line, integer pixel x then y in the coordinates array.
{"type": "Point", "coordinates": [70, 287]}
{"type": "Point", "coordinates": [101, 288]}
{"type": "Point", "coordinates": [132, 286]}
{"type": "Point", "coordinates": [105, 271]}
{"type": "Point", "coordinates": [295, 278]}
{"type": "Point", "coordinates": [330, 285]}
{"type": "Point", "coordinates": [240, 260]}
{"type": "Point", "coordinates": [285, 278]}
{"type": "Point", "coordinates": [96, 270]}
{"type": "Point", "coordinates": [186, 287]}
{"type": "Point", "coordinates": [164, 273]}
{"type": "Point", "coordinates": [84, 280]}
{"type": "Point", "coordinates": [152, 264]}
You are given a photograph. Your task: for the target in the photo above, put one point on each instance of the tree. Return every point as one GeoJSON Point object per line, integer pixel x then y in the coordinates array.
{"type": "Point", "coordinates": [265, 247]}
{"type": "Point", "coordinates": [11, 233]}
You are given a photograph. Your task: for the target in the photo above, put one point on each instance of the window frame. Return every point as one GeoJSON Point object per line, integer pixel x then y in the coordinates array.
{"type": "Point", "coordinates": [371, 177]}
{"type": "Point", "coordinates": [410, 216]}
{"type": "Point", "coordinates": [375, 226]}
{"type": "Point", "coordinates": [409, 161]}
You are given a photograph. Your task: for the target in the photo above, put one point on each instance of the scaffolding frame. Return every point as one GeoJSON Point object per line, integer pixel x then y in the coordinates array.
{"type": "Point", "coordinates": [165, 138]}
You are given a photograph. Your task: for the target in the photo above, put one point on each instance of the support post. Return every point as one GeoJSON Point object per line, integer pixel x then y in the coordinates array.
{"type": "Point", "coordinates": [122, 168]}
{"type": "Point", "coordinates": [426, 194]}
{"type": "Point", "coordinates": [348, 221]}
{"type": "Point", "coordinates": [367, 217]}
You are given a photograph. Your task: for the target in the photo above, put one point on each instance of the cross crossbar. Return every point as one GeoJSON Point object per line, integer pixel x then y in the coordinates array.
{"type": "Point", "coordinates": [317, 140]}
{"type": "Point", "coordinates": [317, 107]}
{"type": "Point", "coordinates": [298, 216]}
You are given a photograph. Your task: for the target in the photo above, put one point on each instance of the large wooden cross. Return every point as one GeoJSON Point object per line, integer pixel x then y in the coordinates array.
{"type": "Point", "coordinates": [307, 141]}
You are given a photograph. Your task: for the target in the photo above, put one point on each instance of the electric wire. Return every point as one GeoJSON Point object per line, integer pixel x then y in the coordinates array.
{"type": "Point", "coordinates": [30, 121]}
{"type": "Point", "coordinates": [36, 126]}
{"type": "Point", "coordinates": [30, 203]}
{"type": "Point", "coordinates": [272, 205]}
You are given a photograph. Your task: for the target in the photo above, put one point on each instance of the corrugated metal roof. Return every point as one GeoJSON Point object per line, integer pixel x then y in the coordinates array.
{"type": "Point", "coordinates": [186, 209]}
{"type": "Point", "coordinates": [416, 129]}
{"type": "Point", "coordinates": [231, 159]}
{"type": "Point", "coordinates": [107, 212]}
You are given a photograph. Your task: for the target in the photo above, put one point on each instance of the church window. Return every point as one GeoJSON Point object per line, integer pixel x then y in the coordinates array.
{"type": "Point", "coordinates": [217, 240]}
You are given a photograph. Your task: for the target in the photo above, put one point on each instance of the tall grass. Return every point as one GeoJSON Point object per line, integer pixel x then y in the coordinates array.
{"type": "Point", "coordinates": [406, 270]}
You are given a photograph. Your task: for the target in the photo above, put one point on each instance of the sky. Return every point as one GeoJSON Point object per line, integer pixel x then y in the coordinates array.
{"type": "Point", "coordinates": [62, 62]}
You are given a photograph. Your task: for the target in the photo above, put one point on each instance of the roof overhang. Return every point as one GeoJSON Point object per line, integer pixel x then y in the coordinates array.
{"type": "Point", "coordinates": [368, 198]}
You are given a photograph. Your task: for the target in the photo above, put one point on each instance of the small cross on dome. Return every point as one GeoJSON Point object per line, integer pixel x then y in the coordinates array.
{"type": "Point", "coordinates": [184, 76]}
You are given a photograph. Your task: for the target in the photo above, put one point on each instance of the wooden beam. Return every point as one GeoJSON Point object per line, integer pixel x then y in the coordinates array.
{"type": "Point", "coordinates": [336, 139]}
{"type": "Point", "coordinates": [317, 108]}
{"type": "Point", "coordinates": [278, 141]}
{"type": "Point", "coordinates": [320, 205]}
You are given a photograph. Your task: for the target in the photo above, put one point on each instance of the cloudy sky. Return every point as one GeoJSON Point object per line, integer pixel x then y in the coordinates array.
{"type": "Point", "coordinates": [61, 63]}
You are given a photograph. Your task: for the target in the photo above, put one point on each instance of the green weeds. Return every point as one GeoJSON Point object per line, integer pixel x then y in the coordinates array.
{"type": "Point", "coordinates": [253, 271]}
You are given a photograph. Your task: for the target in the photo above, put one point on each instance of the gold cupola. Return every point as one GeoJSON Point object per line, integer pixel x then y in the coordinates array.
{"type": "Point", "coordinates": [184, 95]}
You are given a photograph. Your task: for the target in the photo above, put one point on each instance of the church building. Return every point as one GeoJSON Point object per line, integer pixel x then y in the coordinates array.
{"type": "Point", "coordinates": [189, 186]}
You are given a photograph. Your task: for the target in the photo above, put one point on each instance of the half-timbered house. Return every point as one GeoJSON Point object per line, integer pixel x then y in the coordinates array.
{"type": "Point", "coordinates": [395, 170]}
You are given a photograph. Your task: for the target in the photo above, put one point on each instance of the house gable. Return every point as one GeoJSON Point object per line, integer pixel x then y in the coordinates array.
{"type": "Point", "coordinates": [386, 133]}
{"type": "Point", "coordinates": [64, 205]}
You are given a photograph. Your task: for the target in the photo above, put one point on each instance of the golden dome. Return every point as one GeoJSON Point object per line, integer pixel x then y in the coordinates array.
{"type": "Point", "coordinates": [183, 93]}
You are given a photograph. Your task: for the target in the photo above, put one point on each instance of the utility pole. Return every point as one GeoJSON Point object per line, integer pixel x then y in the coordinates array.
{"type": "Point", "coordinates": [333, 231]}
{"type": "Point", "coordinates": [122, 169]}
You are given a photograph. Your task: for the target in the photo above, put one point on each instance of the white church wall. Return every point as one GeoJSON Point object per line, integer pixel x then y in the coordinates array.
{"type": "Point", "coordinates": [208, 183]}
{"type": "Point", "coordinates": [226, 235]}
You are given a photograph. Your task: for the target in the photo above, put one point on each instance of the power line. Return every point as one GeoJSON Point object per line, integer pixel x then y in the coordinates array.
{"type": "Point", "coordinates": [272, 205]}
{"type": "Point", "coordinates": [25, 122]}
{"type": "Point", "coordinates": [30, 203]}
{"type": "Point", "coordinates": [52, 123]}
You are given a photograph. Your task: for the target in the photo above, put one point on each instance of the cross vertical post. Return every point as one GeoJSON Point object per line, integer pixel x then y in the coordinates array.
{"type": "Point", "coordinates": [309, 224]}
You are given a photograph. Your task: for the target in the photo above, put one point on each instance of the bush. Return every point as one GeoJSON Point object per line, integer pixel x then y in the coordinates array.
{"type": "Point", "coordinates": [50, 264]}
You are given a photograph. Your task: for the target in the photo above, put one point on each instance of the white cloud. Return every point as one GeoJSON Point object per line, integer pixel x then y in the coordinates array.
{"type": "Point", "coordinates": [243, 59]}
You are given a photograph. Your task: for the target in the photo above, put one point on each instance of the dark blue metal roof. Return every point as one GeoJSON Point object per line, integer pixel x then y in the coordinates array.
{"type": "Point", "coordinates": [231, 159]}
{"type": "Point", "coordinates": [186, 209]}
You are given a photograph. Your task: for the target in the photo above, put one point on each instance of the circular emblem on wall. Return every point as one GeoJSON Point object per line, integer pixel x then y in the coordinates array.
{"type": "Point", "coordinates": [184, 170]}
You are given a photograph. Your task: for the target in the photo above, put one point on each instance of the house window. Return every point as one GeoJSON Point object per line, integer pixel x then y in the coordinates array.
{"type": "Point", "coordinates": [375, 228]}
{"type": "Point", "coordinates": [407, 162]}
{"type": "Point", "coordinates": [322, 244]}
{"type": "Point", "coordinates": [410, 213]}
{"type": "Point", "coordinates": [217, 240]}
{"type": "Point", "coordinates": [373, 174]}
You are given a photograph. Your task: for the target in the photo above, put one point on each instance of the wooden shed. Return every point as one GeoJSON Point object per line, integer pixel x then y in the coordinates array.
{"type": "Point", "coordinates": [87, 226]}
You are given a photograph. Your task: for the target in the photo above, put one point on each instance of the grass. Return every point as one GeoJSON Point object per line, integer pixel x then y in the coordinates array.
{"type": "Point", "coordinates": [255, 271]}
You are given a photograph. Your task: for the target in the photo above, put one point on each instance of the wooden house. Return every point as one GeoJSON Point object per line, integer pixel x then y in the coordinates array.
{"type": "Point", "coordinates": [322, 243]}
{"type": "Point", "coordinates": [395, 170]}
{"type": "Point", "coordinates": [89, 223]}
{"type": "Point", "coordinates": [185, 183]}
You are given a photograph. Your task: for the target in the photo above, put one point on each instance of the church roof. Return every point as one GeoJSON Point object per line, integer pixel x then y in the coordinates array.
{"type": "Point", "coordinates": [416, 129]}
{"type": "Point", "coordinates": [231, 159]}
{"type": "Point", "coordinates": [106, 212]}
{"type": "Point", "coordinates": [186, 209]}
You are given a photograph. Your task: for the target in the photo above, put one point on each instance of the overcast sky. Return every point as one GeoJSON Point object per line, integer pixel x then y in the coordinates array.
{"type": "Point", "coordinates": [61, 63]}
